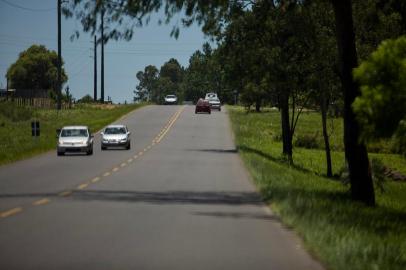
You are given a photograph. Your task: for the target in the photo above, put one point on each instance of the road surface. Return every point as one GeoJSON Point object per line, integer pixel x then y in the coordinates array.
{"type": "Point", "coordinates": [179, 199]}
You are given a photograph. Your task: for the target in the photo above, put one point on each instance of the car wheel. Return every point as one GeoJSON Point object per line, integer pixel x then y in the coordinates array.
{"type": "Point", "coordinates": [195, 112]}
{"type": "Point", "coordinates": [128, 146]}
{"type": "Point", "coordinates": [103, 148]}
{"type": "Point", "coordinates": [89, 152]}
{"type": "Point", "coordinates": [60, 153]}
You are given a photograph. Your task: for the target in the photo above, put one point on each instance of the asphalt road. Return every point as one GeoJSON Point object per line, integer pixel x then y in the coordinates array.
{"type": "Point", "coordinates": [179, 199]}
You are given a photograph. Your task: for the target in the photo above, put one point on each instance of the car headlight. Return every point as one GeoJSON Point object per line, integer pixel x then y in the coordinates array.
{"type": "Point", "coordinates": [123, 140]}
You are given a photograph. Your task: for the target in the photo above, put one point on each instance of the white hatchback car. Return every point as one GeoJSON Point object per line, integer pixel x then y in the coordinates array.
{"type": "Point", "coordinates": [75, 139]}
{"type": "Point", "coordinates": [116, 136]}
{"type": "Point", "coordinates": [171, 99]}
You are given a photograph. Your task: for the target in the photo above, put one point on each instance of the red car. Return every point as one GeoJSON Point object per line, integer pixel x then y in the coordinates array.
{"type": "Point", "coordinates": [203, 105]}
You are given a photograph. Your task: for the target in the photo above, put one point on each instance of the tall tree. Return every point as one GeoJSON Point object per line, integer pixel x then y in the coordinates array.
{"type": "Point", "coordinates": [355, 152]}
{"type": "Point", "coordinates": [147, 84]}
{"type": "Point", "coordinates": [35, 68]}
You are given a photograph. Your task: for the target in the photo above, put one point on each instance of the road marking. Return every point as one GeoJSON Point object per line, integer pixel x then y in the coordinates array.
{"type": "Point", "coordinates": [145, 149]}
{"type": "Point", "coordinates": [106, 174]}
{"type": "Point", "coordinates": [82, 186]}
{"type": "Point", "coordinates": [115, 169]}
{"type": "Point", "coordinates": [41, 202]}
{"type": "Point", "coordinates": [149, 147]}
{"type": "Point", "coordinates": [135, 156]}
{"type": "Point", "coordinates": [140, 153]}
{"type": "Point", "coordinates": [65, 193]}
{"type": "Point", "coordinates": [153, 143]}
{"type": "Point", "coordinates": [123, 164]}
{"type": "Point", "coordinates": [11, 212]}
{"type": "Point", "coordinates": [130, 160]}
{"type": "Point", "coordinates": [96, 179]}
{"type": "Point", "coordinates": [171, 124]}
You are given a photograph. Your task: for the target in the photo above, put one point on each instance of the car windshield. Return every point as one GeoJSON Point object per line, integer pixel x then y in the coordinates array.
{"type": "Point", "coordinates": [170, 96]}
{"type": "Point", "coordinates": [115, 130]}
{"type": "Point", "coordinates": [74, 133]}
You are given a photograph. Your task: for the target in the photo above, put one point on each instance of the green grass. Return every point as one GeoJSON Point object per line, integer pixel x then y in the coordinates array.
{"type": "Point", "coordinates": [16, 142]}
{"type": "Point", "coordinates": [343, 234]}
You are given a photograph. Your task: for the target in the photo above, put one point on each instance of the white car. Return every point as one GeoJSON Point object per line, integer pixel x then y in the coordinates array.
{"type": "Point", "coordinates": [171, 99]}
{"type": "Point", "coordinates": [116, 136]}
{"type": "Point", "coordinates": [210, 95]}
{"type": "Point", "coordinates": [74, 139]}
{"type": "Point", "coordinates": [215, 103]}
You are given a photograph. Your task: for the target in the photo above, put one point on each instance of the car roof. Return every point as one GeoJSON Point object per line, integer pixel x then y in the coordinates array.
{"type": "Point", "coordinates": [115, 126]}
{"type": "Point", "coordinates": [75, 127]}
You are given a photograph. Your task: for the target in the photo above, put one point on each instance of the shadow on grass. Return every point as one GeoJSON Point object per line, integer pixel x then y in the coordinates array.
{"type": "Point", "coordinates": [335, 207]}
{"type": "Point", "coordinates": [280, 160]}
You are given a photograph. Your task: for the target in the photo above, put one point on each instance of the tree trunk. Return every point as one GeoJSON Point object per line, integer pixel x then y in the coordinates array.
{"type": "Point", "coordinates": [258, 105]}
{"type": "Point", "coordinates": [286, 132]}
{"type": "Point", "coordinates": [355, 152]}
{"type": "Point", "coordinates": [324, 106]}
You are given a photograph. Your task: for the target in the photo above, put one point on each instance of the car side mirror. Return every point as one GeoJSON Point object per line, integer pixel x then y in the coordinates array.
{"type": "Point", "coordinates": [128, 133]}
{"type": "Point", "coordinates": [102, 133]}
{"type": "Point", "coordinates": [91, 136]}
{"type": "Point", "coordinates": [58, 131]}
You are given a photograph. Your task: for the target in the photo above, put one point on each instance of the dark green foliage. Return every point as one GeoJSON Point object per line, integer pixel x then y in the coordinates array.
{"type": "Point", "coordinates": [86, 99]}
{"type": "Point", "coordinates": [309, 141]}
{"type": "Point", "coordinates": [36, 68]}
{"type": "Point", "coordinates": [14, 113]}
{"type": "Point", "coordinates": [381, 107]}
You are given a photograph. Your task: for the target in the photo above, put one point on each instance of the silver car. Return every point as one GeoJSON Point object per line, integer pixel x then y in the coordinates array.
{"type": "Point", "coordinates": [215, 103]}
{"type": "Point", "coordinates": [116, 136]}
{"type": "Point", "coordinates": [170, 99]}
{"type": "Point", "coordinates": [74, 139]}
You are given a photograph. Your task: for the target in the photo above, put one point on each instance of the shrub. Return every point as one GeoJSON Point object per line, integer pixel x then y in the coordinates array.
{"type": "Point", "coordinates": [15, 113]}
{"type": "Point", "coordinates": [309, 141]}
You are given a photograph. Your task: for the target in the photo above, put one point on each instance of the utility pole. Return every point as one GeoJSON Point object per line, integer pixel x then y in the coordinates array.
{"type": "Point", "coordinates": [95, 70]}
{"type": "Point", "coordinates": [59, 86]}
{"type": "Point", "coordinates": [102, 57]}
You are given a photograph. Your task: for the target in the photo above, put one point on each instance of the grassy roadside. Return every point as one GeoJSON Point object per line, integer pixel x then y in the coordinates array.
{"type": "Point", "coordinates": [343, 234]}
{"type": "Point", "coordinates": [16, 142]}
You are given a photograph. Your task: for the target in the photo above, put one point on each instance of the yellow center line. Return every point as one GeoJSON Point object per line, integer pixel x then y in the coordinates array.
{"type": "Point", "coordinates": [96, 179]}
{"type": "Point", "coordinates": [11, 212]}
{"type": "Point", "coordinates": [83, 186]}
{"type": "Point", "coordinates": [65, 193]}
{"type": "Point", "coordinates": [106, 174]}
{"type": "Point", "coordinates": [41, 202]}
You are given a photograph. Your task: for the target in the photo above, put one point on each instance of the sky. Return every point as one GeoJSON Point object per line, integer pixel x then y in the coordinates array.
{"type": "Point", "coordinates": [27, 22]}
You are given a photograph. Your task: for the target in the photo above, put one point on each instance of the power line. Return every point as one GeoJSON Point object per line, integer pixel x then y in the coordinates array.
{"type": "Point", "coordinates": [27, 8]}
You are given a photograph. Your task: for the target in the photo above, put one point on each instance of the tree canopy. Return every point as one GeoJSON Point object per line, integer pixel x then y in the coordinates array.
{"type": "Point", "coordinates": [35, 68]}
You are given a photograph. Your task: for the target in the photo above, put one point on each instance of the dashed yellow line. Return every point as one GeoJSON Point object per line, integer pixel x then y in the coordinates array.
{"type": "Point", "coordinates": [83, 186]}
{"type": "Point", "coordinates": [41, 202]}
{"type": "Point", "coordinates": [11, 212]}
{"type": "Point", "coordinates": [65, 193]}
{"type": "Point", "coordinates": [96, 179]}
